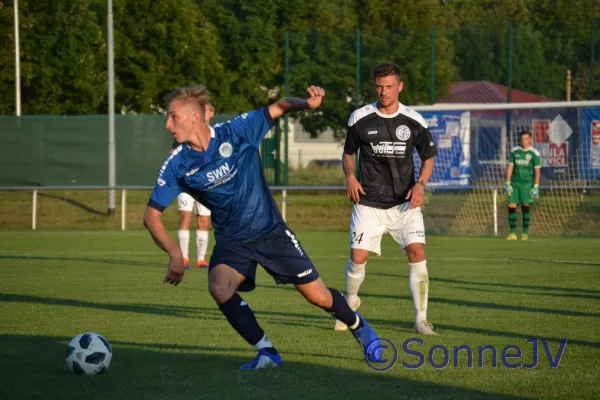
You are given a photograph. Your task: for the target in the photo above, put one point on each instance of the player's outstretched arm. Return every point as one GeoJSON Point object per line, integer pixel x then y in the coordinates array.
{"type": "Point", "coordinates": [314, 96]}
{"type": "Point", "coordinates": [153, 222]}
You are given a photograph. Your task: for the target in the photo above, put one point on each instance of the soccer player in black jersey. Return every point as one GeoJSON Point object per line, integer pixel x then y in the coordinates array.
{"type": "Point", "coordinates": [386, 196]}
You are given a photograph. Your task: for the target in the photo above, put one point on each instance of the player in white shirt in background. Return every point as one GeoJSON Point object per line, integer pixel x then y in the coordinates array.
{"type": "Point", "coordinates": [186, 206]}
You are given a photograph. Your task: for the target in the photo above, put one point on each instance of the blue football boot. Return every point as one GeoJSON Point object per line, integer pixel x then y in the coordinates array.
{"type": "Point", "coordinates": [264, 359]}
{"type": "Point", "coordinates": [365, 337]}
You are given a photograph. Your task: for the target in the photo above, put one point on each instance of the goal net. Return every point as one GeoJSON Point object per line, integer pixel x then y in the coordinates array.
{"type": "Point", "coordinates": [466, 193]}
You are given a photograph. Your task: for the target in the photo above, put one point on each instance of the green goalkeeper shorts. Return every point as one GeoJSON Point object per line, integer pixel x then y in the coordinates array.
{"type": "Point", "coordinates": [520, 194]}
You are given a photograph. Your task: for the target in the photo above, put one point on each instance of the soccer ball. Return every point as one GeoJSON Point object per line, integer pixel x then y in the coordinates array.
{"type": "Point", "coordinates": [88, 354]}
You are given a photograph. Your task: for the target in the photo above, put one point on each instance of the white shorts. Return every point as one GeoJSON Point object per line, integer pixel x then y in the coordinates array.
{"type": "Point", "coordinates": [185, 202]}
{"type": "Point", "coordinates": [368, 225]}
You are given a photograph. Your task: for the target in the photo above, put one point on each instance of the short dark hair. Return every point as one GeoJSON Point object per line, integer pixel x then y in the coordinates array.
{"type": "Point", "coordinates": [524, 133]}
{"type": "Point", "coordinates": [387, 69]}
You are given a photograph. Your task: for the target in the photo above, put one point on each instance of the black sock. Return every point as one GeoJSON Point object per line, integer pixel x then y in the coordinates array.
{"type": "Point", "coordinates": [512, 219]}
{"type": "Point", "coordinates": [242, 319]}
{"type": "Point", "coordinates": [342, 311]}
{"type": "Point", "coordinates": [526, 219]}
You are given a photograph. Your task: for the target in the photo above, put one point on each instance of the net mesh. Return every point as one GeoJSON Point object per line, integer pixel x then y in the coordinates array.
{"type": "Point", "coordinates": [568, 140]}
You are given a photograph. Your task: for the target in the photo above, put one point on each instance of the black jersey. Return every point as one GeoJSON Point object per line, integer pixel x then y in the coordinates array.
{"type": "Point", "coordinates": [387, 143]}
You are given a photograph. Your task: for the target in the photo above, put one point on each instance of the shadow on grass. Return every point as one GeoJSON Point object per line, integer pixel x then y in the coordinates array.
{"type": "Point", "coordinates": [72, 202]}
{"type": "Point", "coordinates": [90, 260]}
{"type": "Point", "coordinates": [38, 370]}
{"type": "Point", "coordinates": [491, 306]}
{"type": "Point", "coordinates": [475, 304]}
{"type": "Point", "coordinates": [561, 295]}
{"type": "Point", "coordinates": [507, 285]}
{"type": "Point", "coordinates": [207, 313]}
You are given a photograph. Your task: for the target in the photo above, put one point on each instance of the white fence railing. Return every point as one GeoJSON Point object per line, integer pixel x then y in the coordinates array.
{"type": "Point", "coordinates": [494, 191]}
{"type": "Point", "coordinates": [124, 189]}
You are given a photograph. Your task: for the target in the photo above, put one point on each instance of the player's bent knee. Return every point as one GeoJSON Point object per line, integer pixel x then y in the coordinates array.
{"type": "Point", "coordinates": [359, 256]}
{"type": "Point", "coordinates": [223, 282]}
{"type": "Point", "coordinates": [415, 252]}
{"type": "Point", "coordinates": [316, 293]}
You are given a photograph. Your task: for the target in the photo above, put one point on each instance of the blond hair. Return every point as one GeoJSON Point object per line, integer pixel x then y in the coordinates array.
{"type": "Point", "coordinates": [209, 106]}
{"type": "Point", "coordinates": [197, 94]}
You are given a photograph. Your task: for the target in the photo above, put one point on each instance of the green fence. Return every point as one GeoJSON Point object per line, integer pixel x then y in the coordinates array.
{"type": "Point", "coordinates": [56, 151]}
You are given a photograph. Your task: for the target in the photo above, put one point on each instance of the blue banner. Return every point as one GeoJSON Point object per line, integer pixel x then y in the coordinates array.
{"type": "Point", "coordinates": [451, 134]}
{"type": "Point", "coordinates": [589, 166]}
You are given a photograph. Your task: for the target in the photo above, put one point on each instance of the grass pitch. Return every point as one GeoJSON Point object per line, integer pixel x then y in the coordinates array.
{"type": "Point", "coordinates": [173, 343]}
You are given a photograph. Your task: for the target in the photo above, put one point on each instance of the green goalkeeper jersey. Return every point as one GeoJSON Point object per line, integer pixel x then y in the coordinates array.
{"type": "Point", "coordinates": [524, 161]}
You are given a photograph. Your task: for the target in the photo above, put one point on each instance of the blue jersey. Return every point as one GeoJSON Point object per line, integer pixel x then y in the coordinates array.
{"type": "Point", "coordinates": [227, 178]}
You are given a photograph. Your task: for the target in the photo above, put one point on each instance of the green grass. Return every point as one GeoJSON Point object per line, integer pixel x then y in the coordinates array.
{"type": "Point", "coordinates": [173, 343]}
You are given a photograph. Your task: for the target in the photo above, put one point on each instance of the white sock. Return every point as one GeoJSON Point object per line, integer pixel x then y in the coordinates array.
{"type": "Point", "coordinates": [419, 287]}
{"type": "Point", "coordinates": [263, 343]}
{"type": "Point", "coordinates": [184, 242]}
{"type": "Point", "coordinates": [201, 244]}
{"type": "Point", "coordinates": [355, 275]}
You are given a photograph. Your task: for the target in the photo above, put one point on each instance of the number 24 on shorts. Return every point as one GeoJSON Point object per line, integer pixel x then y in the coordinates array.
{"type": "Point", "coordinates": [356, 238]}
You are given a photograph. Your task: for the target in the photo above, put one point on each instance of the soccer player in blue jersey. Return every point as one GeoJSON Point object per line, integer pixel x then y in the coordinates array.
{"type": "Point", "coordinates": [221, 167]}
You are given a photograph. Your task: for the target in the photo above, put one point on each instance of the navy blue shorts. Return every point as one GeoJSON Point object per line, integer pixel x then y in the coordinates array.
{"type": "Point", "coordinates": [281, 256]}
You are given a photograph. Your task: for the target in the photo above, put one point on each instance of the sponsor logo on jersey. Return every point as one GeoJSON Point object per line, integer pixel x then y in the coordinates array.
{"type": "Point", "coordinates": [226, 149]}
{"type": "Point", "coordinates": [161, 182]}
{"type": "Point", "coordinates": [389, 148]}
{"type": "Point", "coordinates": [522, 163]}
{"type": "Point", "coordinates": [218, 173]}
{"type": "Point", "coordinates": [402, 133]}
{"type": "Point", "coordinates": [192, 171]}
{"type": "Point", "coordinates": [372, 133]}
{"type": "Point", "coordinates": [432, 122]}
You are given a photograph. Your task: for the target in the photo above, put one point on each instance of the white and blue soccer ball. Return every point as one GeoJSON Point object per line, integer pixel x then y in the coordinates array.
{"type": "Point", "coordinates": [88, 354]}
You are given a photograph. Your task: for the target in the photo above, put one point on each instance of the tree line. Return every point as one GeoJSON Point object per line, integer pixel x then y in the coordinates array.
{"type": "Point", "coordinates": [237, 48]}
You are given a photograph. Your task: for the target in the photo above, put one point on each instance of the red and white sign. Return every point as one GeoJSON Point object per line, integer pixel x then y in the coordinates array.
{"type": "Point", "coordinates": [595, 149]}
{"type": "Point", "coordinates": [550, 139]}
{"type": "Point", "coordinates": [540, 131]}
{"type": "Point", "coordinates": [559, 155]}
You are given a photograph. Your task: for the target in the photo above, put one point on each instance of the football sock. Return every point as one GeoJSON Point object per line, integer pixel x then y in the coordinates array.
{"type": "Point", "coordinates": [242, 319]}
{"type": "Point", "coordinates": [419, 287]}
{"type": "Point", "coordinates": [201, 244]}
{"type": "Point", "coordinates": [341, 310]}
{"type": "Point", "coordinates": [265, 343]}
{"type": "Point", "coordinates": [512, 219]}
{"type": "Point", "coordinates": [355, 276]}
{"type": "Point", "coordinates": [184, 242]}
{"type": "Point", "coordinates": [526, 217]}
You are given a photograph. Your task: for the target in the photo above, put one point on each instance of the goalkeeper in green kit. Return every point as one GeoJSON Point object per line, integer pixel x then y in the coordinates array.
{"type": "Point", "coordinates": [522, 183]}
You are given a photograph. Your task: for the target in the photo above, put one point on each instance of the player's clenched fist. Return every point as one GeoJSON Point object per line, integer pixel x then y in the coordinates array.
{"type": "Point", "coordinates": [314, 96]}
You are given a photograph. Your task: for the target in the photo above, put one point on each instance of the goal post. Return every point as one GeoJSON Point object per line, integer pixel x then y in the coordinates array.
{"type": "Point", "coordinates": [466, 192]}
